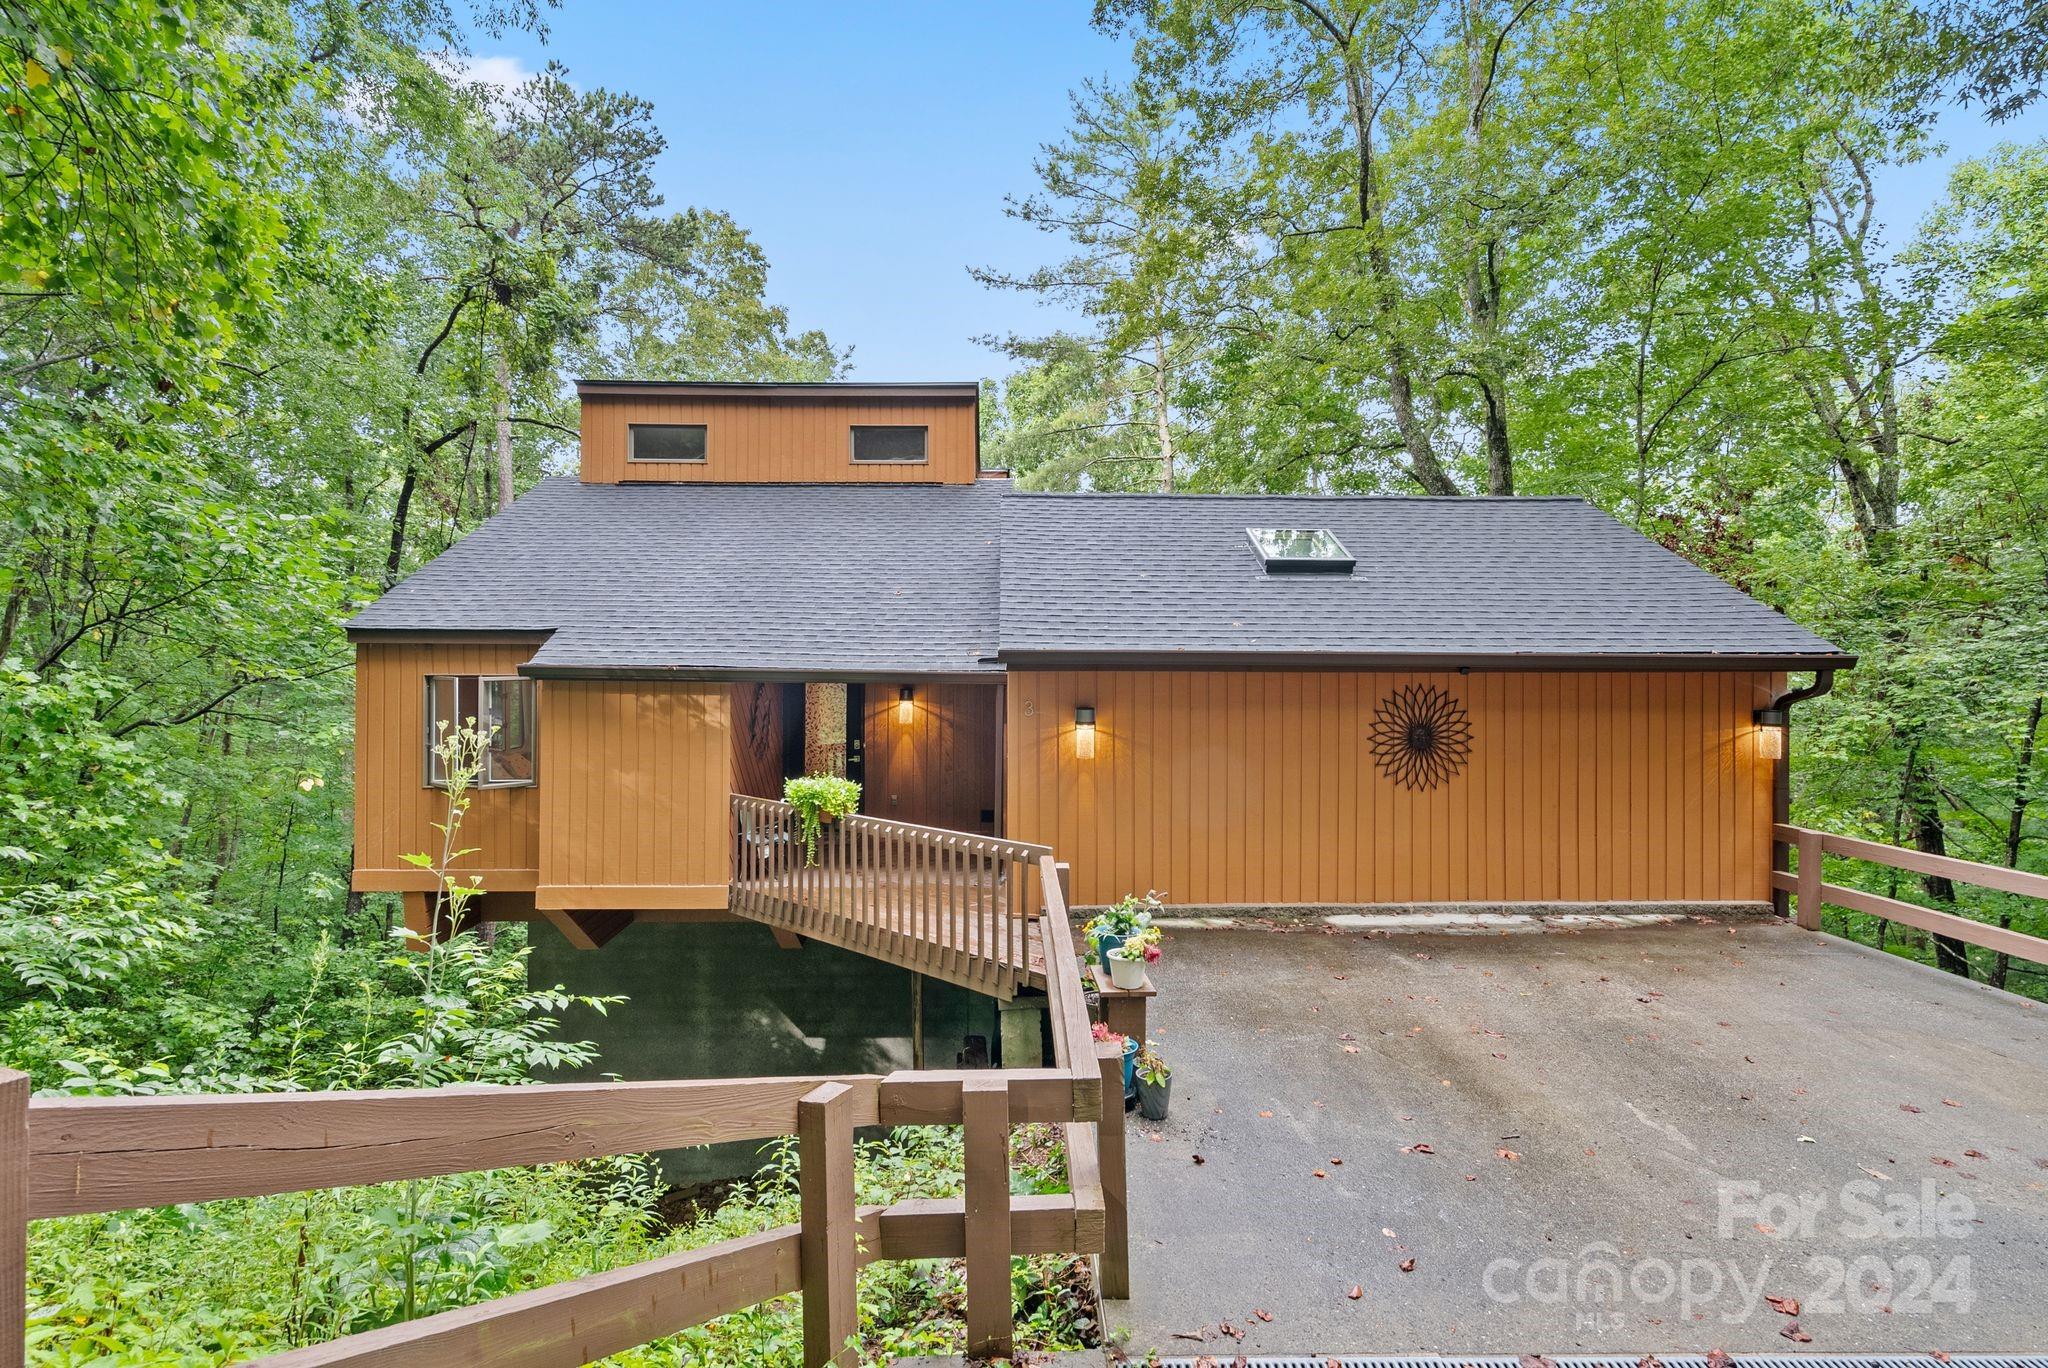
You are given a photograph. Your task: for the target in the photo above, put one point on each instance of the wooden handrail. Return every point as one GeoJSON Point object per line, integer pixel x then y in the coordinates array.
{"type": "Point", "coordinates": [72, 1156]}
{"type": "Point", "coordinates": [1811, 892]}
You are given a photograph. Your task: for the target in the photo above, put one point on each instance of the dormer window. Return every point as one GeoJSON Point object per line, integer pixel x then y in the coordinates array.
{"type": "Point", "coordinates": [889, 445]}
{"type": "Point", "coordinates": [665, 442]}
{"type": "Point", "coordinates": [1300, 551]}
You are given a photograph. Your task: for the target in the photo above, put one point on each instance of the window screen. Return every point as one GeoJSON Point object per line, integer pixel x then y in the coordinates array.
{"type": "Point", "coordinates": [888, 443]}
{"type": "Point", "coordinates": [665, 442]}
{"type": "Point", "coordinates": [500, 707]}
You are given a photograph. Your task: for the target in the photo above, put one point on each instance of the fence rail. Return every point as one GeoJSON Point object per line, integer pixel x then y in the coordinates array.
{"type": "Point", "coordinates": [1811, 892]}
{"type": "Point", "coordinates": [69, 1156]}
{"type": "Point", "coordinates": [949, 904]}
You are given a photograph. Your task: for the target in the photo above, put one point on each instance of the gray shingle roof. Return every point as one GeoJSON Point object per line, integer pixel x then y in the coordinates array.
{"type": "Point", "coordinates": [1461, 578]}
{"type": "Point", "coordinates": [810, 578]}
{"type": "Point", "coordinates": [905, 579]}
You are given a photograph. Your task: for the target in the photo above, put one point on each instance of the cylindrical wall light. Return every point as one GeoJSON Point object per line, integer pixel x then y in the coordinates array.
{"type": "Point", "coordinates": [1771, 724]}
{"type": "Point", "coordinates": [903, 697]}
{"type": "Point", "coordinates": [1084, 733]}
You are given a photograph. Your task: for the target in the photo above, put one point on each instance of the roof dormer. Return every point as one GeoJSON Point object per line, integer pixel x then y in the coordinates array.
{"type": "Point", "coordinates": [679, 432]}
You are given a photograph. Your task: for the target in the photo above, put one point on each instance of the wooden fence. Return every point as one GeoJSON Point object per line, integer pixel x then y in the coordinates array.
{"type": "Point", "coordinates": [948, 904]}
{"type": "Point", "coordinates": [67, 1156]}
{"type": "Point", "coordinates": [1811, 892]}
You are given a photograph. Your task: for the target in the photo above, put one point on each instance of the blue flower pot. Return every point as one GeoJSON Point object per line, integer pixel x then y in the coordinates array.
{"type": "Point", "coordinates": [1130, 1067]}
{"type": "Point", "coordinates": [1106, 944]}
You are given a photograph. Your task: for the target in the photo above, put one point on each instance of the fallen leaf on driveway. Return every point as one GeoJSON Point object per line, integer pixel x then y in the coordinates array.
{"type": "Point", "coordinates": [1349, 1049]}
{"type": "Point", "coordinates": [1649, 1361]}
{"type": "Point", "coordinates": [1509, 1155]}
{"type": "Point", "coordinates": [1336, 1163]}
{"type": "Point", "coordinates": [1388, 1231]}
{"type": "Point", "coordinates": [1795, 1334]}
{"type": "Point", "coordinates": [1320, 1174]}
{"type": "Point", "coordinates": [1420, 1147]}
{"type": "Point", "coordinates": [1881, 1177]}
{"type": "Point", "coordinates": [1975, 1154]}
{"type": "Point", "coordinates": [1937, 1159]}
{"type": "Point", "coordinates": [1909, 1107]}
{"type": "Point", "coordinates": [1265, 1113]}
{"type": "Point", "coordinates": [1719, 1358]}
{"type": "Point", "coordinates": [1407, 1265]}
{"type": "Point", "coordinates": [1784, 1306]}
{"type": "Point", "coordinates": [1950, 1102]}
{"type": "Point", "coordinates": [1199, 1159]}
{"type": "Point", "coordinates": [1808, 1140]}
{"type": "Point", "coordinates": [1263, 1315]}
{"type": "Point", "coordinates": [1356, 1292]}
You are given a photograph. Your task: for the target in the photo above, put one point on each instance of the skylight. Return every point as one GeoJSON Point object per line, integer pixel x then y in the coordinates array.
{"type": "Point", "coordinates": [1300, 551]}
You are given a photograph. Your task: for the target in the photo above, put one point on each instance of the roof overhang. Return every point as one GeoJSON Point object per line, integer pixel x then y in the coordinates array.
{"type": "Point", "coordinates": [1464, 663]}
{"type": "Point", "coordinates": [695, 673]}
{"type": "Point", "coordinates": [961, 391]}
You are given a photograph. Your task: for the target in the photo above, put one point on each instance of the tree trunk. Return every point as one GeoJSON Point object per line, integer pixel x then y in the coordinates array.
{"type": "Point", "coordinates": [2015, 822]}
{"type": "Point", "coordinates": [1162, 413]}
{"type": "Point", "coordinates": [1481, 284]}
{"type": "Point", "coordinates": [1930, 837]}
{"type": "Point", "coordinates": [507, 484]}
{"type": "Point", "coordinates": [1423, 466]}
{"type": "Point", "coordinates": [400, 512]}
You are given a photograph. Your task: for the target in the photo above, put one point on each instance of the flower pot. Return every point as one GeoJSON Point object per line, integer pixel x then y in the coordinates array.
{"type": "Point", "coordinates": [1126, 973]}
{"type": "Point", "coordinates": [1130, 1066]}
{"type": "Point", "coordinates": [1153, 1097]}
{"type": "Point", "coordinates": [1106, 944]}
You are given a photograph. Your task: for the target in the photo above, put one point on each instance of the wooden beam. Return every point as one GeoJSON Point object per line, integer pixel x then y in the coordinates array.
{"type": "Point", "coordinates": [583, 1320]}
{"type": "Point", "coordinates": [588, 930]}
{"type": "Point", "coordinates": [824, 1131]}
{"type": "Point", "coordinates": [787, 940]}
{"type": "Point", "coordinates": [92, 1154]}
{"type": "Point", "coordinates": [936, 1228]}
{"type": "Point", "coordinates": [1808, 911]}
{"type": "Point", "coordinates": [985, 1103]}
{"type": "Point", "coordinates": [14, 1216]}
{"type": "Point", "coordinates": [931, 1097]}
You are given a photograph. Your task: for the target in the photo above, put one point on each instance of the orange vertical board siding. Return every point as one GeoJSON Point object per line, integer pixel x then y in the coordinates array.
{"type": "Point", "coordinates": [939, 768]}
{"type": "Point", "coordinates": [1249, 787]}
{"type": "Point", "coordinates": [634, 798]}
{"type": "Point", "coordinates": [395, 810]}
{"type": "Point", "coordinates": [771, 441]}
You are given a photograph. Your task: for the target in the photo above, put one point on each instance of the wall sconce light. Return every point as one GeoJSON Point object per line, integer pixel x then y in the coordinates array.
{"type": "Point", "coordinates": [1770, 737]}
{"type": "Point", "coordinates": [903, 697]}
{"type": "Point", "coordinates": [1084, 733]}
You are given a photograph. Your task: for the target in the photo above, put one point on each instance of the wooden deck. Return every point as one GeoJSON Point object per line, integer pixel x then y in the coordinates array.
{"type": "Point", "coordinates": [894, 923]}
{"type": "Point", "coordinates": [949, 904]}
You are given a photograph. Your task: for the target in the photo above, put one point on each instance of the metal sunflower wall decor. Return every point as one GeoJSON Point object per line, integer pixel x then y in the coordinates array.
{"type": "Point", "coordinates": [1421, 736]}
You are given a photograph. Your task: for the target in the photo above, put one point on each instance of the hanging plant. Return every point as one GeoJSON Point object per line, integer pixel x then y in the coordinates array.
{"type": "Point", "coordinates": [820, 798]}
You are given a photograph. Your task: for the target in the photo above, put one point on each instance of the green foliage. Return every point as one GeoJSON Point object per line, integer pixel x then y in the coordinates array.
{"type": "Point", "coordinates": [815, 797]}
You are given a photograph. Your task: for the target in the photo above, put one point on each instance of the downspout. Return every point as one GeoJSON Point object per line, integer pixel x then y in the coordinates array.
{"type": "Point", "coordinates": [1779, 715]}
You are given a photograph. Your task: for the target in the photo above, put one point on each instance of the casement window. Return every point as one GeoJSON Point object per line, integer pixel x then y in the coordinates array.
{"type": "Point", "coordinates": [886, 445]}
{"type": "Point", "coordinates": [498, 706]}
{"type": "Point", "coordinates": [665, 442]}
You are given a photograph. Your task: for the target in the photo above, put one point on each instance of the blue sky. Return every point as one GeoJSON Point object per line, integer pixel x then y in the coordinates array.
{"type": "Point", "coordinates": [868, 148]}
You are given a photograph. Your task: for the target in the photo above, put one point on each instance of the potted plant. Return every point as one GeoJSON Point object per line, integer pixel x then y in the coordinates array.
{"type": "Point", "coordinates": [820, 798]}
{"type": "Point", "coordinates": [1155, 1084]}
{"type": "Point", "coordinates": [1113, 925]}
{"type": "Point", "coordinates": [1127, 958]}
{"type": "Point", "coordinates": [1129, 1046]}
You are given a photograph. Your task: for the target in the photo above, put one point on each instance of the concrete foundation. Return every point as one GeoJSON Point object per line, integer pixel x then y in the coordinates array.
{"type": "Point", "coordinates": [722, 1000]}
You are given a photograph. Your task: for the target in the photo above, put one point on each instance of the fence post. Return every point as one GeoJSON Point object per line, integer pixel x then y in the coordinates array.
{"type": "Point", "coordinates": [1116, 1213]}
{"type": "Point", "coordinates": [824, 1139]}
{"type": "Point", "coordinates": [1809, 880]}
{"type": "Point", "coordinates": [985, 1135]}
{"type": "Point", "coordinates": [13, 1217]}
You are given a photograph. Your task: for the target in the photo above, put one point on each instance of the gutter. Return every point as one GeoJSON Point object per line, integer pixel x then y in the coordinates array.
{"type": "Point", "coordinates": [1779, 715]}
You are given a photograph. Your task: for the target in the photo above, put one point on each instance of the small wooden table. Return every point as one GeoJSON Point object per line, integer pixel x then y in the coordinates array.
{"type": "Point", "coordinates": [1123, 1009]}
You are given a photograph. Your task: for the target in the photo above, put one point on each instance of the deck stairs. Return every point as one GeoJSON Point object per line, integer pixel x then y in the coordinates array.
{"type": "Point", "coordinates": [951, 905]}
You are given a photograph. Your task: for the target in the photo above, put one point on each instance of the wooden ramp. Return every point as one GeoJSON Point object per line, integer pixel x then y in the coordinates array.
{"type": "Point", "coordinates": [947, 904]}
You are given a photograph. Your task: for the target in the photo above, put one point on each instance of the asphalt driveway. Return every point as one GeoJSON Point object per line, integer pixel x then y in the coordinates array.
{"type": "Point", "coordinates": [1619, 1140]}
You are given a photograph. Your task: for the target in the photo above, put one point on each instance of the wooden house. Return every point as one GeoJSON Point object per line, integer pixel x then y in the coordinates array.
{"type": "Point", "coordinates": [1239, 701]}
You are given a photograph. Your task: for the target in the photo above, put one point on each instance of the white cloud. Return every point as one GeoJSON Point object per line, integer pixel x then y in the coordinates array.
{"type": "Point", "coordinates": [501, 73]}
